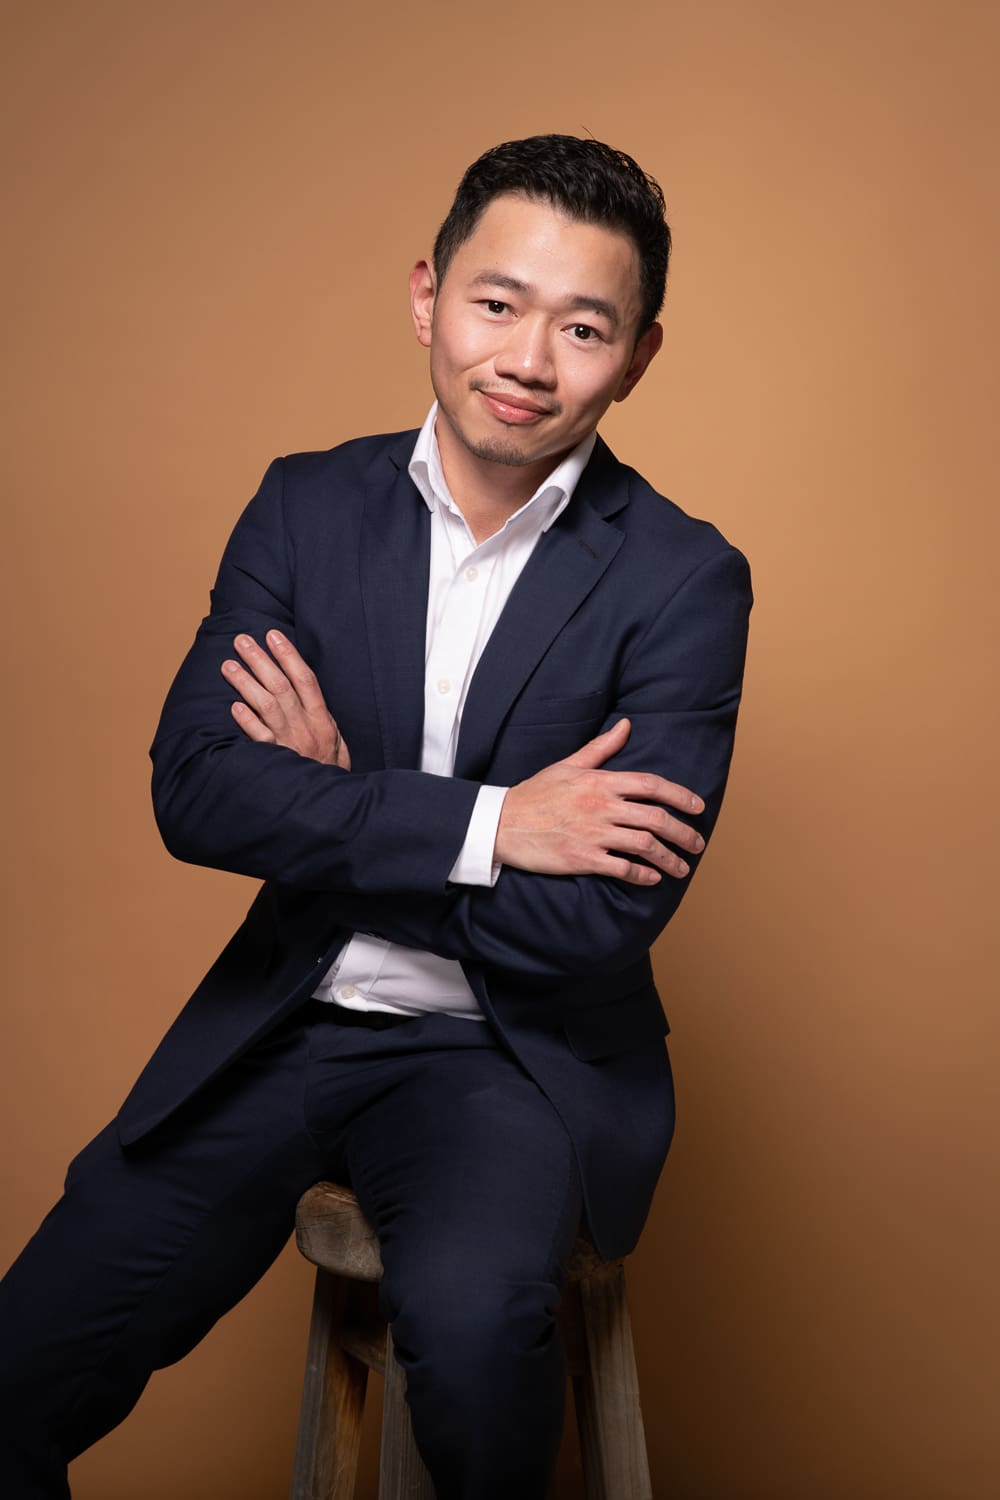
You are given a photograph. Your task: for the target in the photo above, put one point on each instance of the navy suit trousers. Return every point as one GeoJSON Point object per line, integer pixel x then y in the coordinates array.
{"type": "Point", "coordinates": [458, 1160]}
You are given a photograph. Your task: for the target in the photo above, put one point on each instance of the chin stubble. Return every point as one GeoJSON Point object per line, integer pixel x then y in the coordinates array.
{"type": "Point", "coordinates": [496, 451]}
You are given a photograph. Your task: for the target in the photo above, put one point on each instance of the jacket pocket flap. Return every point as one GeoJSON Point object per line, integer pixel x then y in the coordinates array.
{"type": "Point", "coordinates": [619, 1025]}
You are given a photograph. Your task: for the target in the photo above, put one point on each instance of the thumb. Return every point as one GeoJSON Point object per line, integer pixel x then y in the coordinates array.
{"type": "Point", "coordinates": [596, 751]}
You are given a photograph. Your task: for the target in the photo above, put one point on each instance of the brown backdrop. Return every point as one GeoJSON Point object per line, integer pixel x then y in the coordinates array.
{"type": "Point", "coordinates": [213, 208]}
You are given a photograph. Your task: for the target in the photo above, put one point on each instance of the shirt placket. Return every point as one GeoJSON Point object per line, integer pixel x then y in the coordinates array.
{"type": "Point", "coordinates": [367, 955]}
{"type": "Point", "coordinates": [452, 647]}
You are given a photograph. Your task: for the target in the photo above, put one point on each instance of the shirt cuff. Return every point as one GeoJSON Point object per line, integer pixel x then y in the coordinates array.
{"type": "Point", "coordinates": [475, 864]}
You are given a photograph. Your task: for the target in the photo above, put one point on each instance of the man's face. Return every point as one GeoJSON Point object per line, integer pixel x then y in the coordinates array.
{"type": "Point", "coordinates": [532, 334]}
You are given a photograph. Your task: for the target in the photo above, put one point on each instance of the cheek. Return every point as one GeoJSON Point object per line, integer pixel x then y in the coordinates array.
{"type": "Point", "coordinates": [594, 386]}
{"type": "Point", "coordinates": [456, 349]}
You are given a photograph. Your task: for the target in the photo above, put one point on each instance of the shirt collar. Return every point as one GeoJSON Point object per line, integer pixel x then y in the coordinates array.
{"type": "Point", "coordinates": [548, 502]}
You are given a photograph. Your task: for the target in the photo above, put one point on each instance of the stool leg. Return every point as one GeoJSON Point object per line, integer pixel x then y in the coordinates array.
{"type": "Point", "coordinates": [333, 1398]}
{"type": "Point", "coordinates": [612, 1439]}
{"type": "Point", "coordinates": [402, 1473]}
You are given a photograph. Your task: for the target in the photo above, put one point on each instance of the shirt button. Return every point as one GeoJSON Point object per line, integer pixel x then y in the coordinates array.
{"type": "Point", "coordinates": [472, 574]}
{"type": "Point", "coordinates": [347, 992]}
{"type": "Point", "coordinates": [444, 686]}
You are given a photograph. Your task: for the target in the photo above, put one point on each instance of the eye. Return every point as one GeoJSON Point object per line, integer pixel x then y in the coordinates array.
{"type": "Point", "coordinates": [583, 333]}
{"type": "Point", "coordinates": [495, 307]}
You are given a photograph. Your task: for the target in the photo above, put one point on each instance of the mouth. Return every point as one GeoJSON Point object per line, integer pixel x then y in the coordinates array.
{"type": "Point", "coordinates": [515, 411]}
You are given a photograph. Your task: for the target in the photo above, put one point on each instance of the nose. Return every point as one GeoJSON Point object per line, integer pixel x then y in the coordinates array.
{"type": "Point", "coordinates": [526, 354]}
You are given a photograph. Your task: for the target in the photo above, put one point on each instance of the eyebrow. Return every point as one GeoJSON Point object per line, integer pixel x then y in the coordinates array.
{"type": "Point", "coordinates": [588, 303]}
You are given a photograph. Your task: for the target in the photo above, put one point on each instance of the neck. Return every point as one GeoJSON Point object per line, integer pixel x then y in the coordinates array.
{"type": "Point", "coordinates": [487, 493]}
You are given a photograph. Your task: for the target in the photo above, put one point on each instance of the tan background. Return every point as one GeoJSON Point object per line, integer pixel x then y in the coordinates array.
{"type": "Point", "coordinates": [213, 210]}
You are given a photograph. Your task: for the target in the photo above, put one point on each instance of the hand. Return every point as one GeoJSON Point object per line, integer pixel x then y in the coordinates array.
{"type": "Point", "coordinates": [568, 818]}
{"type": "Point", "coordinates": [282, 703]}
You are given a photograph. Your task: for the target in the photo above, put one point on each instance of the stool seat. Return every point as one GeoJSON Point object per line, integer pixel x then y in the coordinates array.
{"type": "Point", "coordinates": [348, 1337]}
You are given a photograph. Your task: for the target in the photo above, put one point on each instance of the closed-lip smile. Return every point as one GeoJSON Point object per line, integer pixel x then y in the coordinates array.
{"type": "Point", "coordinates": [518, 409]}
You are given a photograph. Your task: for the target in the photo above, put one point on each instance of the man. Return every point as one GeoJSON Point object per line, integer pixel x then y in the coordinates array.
{"type": "Point", "coordinates": [449, 704]}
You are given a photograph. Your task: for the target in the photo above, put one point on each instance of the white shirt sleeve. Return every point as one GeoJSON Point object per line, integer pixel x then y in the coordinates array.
{"type": "Point", "coordinates": [475, 864]}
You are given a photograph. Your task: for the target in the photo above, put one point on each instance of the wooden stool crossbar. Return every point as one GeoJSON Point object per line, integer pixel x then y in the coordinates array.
{"type": "Point", "coordinates": [348, 1337]}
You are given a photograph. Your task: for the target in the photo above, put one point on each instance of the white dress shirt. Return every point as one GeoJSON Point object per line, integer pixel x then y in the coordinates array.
{"type": "Point", "coordinates": [469, 586]}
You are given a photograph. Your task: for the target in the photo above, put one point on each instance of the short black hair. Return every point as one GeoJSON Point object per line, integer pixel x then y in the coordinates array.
{"type": "Point", "coordinates": [588, 181]}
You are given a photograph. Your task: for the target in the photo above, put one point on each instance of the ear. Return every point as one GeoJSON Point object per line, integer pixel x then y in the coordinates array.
{"type": "Point", "coordinates": [423, 289]}
{"type": "Point", "coordinates": [646, 348]}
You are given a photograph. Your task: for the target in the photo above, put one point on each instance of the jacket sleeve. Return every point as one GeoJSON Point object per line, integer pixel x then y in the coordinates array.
{"type": "Point", "coordinates": [680, 688]}
{"type": "Point", "coordinates": [225, 801]}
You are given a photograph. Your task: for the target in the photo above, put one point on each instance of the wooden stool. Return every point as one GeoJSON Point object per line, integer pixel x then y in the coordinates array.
{"type": "Point", "coordinates": [348, 1338]}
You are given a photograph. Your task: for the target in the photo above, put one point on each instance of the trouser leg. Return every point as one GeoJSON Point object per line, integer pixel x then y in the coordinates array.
{"type": "Point", "coordinates": [456, 1156]}
{"type": "Point", "coordinates": [147, 1248]}
{"type": "Point", "coordinates": [469, 1177]}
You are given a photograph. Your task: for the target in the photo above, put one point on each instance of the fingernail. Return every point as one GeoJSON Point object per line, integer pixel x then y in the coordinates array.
{"type": "Point", "coordinates": [697, 805]}
{"type": "Point", "coordinates": [244, 641]}
{"type": "Point", "coordinates": [682, 868]}
{"type": "Point", "coordinates": [229, 666]}
{"type": "Point", "coordinates": [276, 636]}
{"type": "Point", "coordinates": [699, 844]}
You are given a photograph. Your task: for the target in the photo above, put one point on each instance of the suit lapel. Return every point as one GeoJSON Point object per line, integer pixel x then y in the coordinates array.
{"type": "Point", "coordinates": [395, 564]}
{"type": "Point", "coordinates": [565, 566]}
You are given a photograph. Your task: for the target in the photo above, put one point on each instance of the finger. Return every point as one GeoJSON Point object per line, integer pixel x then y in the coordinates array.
{"type": "Point", "coordinates": [260, 700]}
{"type": "Point", "coordinates": [623, 869]}
{"type": "Point", "coordinates": [251, 726]}
{"type": "Point", "coordinates": [596, 751]}
{"type": "Point", "coordinates": [645, 844]}
{"type": "Point", "coordinates": [667, 829]}
{"type": "Point", "coordinates": [263, 667]}
{"type": "Point", "coordinates": [644, 786]}
{"type": "Point", "coordinates": [298, 671]}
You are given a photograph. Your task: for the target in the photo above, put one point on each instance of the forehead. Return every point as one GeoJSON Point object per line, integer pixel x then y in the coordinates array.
{"type": "Point", "coordinates": [556, 256]}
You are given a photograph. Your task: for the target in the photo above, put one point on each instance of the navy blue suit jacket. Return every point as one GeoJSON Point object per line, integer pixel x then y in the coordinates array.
{"type": "Point", "coordinates": [626, 606]}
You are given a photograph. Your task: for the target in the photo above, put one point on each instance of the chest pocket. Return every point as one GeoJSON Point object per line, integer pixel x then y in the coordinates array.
{"type": "Point", "coordinates": [580, 708]}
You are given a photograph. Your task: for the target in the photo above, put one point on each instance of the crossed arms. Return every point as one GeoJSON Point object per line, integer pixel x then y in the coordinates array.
{"type": "Point", "coordinates": [585, 848]}
{"type": "Point", "coordinates": [569, 819]}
